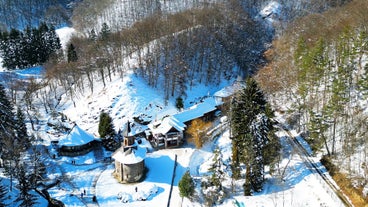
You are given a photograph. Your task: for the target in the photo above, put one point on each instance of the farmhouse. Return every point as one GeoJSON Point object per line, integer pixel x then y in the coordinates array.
{"type": "Point", "coordinates": [76, 142]}
{"type": "Point", "coordinates": [170, 131]}
{"type": "Point", "coordinates": [129, 159]}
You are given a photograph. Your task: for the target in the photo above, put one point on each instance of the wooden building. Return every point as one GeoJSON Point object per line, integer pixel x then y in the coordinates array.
{"type": "Point", "coordinates": [170, 132]}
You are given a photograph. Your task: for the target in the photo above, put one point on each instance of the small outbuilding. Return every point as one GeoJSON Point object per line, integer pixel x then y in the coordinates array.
{"type": "Point", "coordinates": [76, 142]}
{"type": "Point", "coordinates": [223, 96]}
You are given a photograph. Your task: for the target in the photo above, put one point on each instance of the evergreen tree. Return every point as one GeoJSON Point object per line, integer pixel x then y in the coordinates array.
{"type": "Point", "coordinates": [216, 169]}
{"type": "Point", "coordinates": [10, 145]}
{"type": "Point", "coordinates": [26, 198]}
{"type": "Point", "coordinates": [179, 103]}
{"type": "Point", "coordinates": [250, 131]}
{"type": "Point", "coordinates": [105, 32]}
{"type": "Point", "coordinates": [21, 129]}
{"type": "Point", "coordinates": [106, 127]}
{"type": "Point", "coordinates": [6, 111]}
{"type": "Point", "coordinates": [29, 48]}
{"type": "Point", "coordinates": [186, 185]}
{"type": "Point", "coordinates": [212, 189]}
{"type": "Point", "coordinates": [72, 54]}
{"type": "Point", "coordinates": [11, 49]}
{"type": "Point", "coordinates": [260, 129]}
{"type": "Point", "coordinates": [92, 35]}
{"type": "Point", "coordinates": [52, 41]}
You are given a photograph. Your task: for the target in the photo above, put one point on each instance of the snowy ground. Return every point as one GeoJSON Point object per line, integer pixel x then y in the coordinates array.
{"type": "Point", "coordinates": [299, 188]}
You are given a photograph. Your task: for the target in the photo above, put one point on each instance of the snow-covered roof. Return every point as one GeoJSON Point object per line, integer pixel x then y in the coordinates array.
{"type": "Point", "coordinates": [166, 124]}
{"type": "Point", "coordinates": [272, 8]}
{"type": "Point", "coordinates": [76, 137]}
{"type": "Point", "coordinates": [131, 156]}
{"type": "Point", "coordinates": [177, 121]}
{"type": "Point", "coordinates": [230, 90]}
{"type": "Point", "coordinates": [196, 111]}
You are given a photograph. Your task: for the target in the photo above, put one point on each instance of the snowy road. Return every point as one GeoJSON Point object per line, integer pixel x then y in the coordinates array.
{"type": "Point", "coordinates": [317, 168]}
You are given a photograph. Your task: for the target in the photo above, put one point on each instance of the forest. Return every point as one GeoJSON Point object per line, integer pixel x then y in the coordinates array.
{"type": "Point", "coordinates": [32, 13]}
{"type": "Point", "coordinates": [28, 48]}
{"type": "Point", "coordinates": [326, 77]}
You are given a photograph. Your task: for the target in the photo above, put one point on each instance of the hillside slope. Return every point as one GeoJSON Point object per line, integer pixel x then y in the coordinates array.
{"type": "Point", "coordinates": [317, 76]}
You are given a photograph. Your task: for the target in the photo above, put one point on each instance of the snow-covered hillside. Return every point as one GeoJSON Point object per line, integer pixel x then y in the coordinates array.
{"type": "Point", "coordinates": [130, 97]}
{"type": "Point", "coordinates": [87, 180]}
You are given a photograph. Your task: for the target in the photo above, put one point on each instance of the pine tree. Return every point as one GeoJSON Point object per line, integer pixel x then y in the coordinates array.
{"type": "Point", "coordinates": [251, 128]}
{"type": "Point", "coordinates": [52, 41]}
{"type": "Point", "coordinates": [216, 169]}
{"type": "Point", "coordinates": [92, 35]}
{"type": "Point", "coordinates": [260, 129]}
{"type": "Point", "coordinates": [212, 188]}
{"type": "Point", "coordinates": [186, 185]}
{"type": "Point", "coordinates": [6, 111]}
{"type": "Point", "coordinates": [105, 32]}
{"type": "Point", "coordinates": [72, 54]}
{"type": "Point", "coordinates": [106, 127]}
{"type": "Point", "coordinates": [179, 103]}
{"type": "Point", "coordinates": [11, 50]}
{"type": "Point", "coordinates": [11, 146]}
{"type": "Point", "coordinates": [21, 129]}
{"type": "Point", "coordinates": [26, 198]}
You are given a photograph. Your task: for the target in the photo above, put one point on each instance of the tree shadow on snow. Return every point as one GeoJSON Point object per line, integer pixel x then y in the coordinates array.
{"type": "Point", "coordinates": [295, 172]}
{"type": "Point", "coordinates": [293, 175]}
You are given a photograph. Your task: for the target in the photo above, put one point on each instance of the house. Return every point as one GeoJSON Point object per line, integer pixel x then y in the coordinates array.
{"type": "Point", "coordinates": [76, 142]}
{"type": "Point", "coordinates": [170, 132]}
{"type": "Point", "coordinates": [129, 159]}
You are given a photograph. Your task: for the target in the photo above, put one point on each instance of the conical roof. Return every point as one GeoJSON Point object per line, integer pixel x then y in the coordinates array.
{"type": "Point", "coordinates": [76, 137]}
{"type": "Point", "coordinates": [132, 155]}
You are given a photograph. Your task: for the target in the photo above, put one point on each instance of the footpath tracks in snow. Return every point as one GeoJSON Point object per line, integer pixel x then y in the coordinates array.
{"type": "Point", "coordinates": [335, 192]}
{"type": "Point", "coordinates": [86, 197]}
